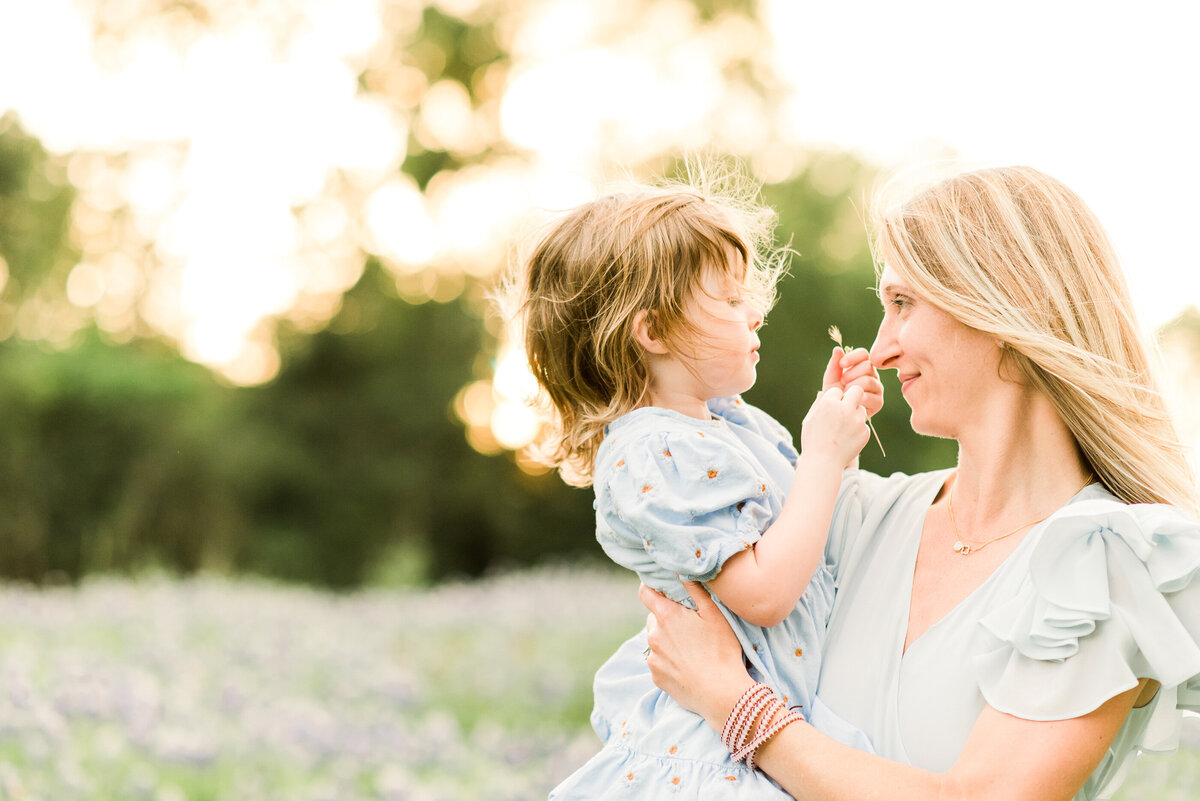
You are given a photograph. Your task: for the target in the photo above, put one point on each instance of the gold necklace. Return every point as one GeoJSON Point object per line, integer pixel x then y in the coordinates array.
{"type": "Point", "coordinates": [966, 549]}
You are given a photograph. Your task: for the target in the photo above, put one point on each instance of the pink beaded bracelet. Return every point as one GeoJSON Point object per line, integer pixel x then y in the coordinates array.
{"type": "Point", "coordinates": [757, 705]}
{"type": "Point", "coordinates": [740, 722]}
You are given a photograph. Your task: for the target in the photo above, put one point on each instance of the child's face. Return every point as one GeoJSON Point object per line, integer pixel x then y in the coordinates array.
{"type": "Point", "coordinates": [722, 358]}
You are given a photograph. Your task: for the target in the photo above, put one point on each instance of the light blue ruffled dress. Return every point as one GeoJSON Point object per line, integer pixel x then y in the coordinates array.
{"type": "Point", "coordinates": [1099, 595]}
{"type": "Point", "coordinates": [676, 497]}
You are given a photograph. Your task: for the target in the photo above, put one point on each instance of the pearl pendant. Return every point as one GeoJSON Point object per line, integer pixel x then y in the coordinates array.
{"type": "Point", "coordinates": [962, 548]}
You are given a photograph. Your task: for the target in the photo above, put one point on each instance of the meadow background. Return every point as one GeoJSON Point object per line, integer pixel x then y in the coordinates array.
{"type": "Point", "coordinates": [267, 527]}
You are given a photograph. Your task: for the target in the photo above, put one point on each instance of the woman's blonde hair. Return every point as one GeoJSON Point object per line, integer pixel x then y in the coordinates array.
{"type": "Point", "coordinates": [575, 295]}
{"type": "Point", "coordinates": [1014, 253]}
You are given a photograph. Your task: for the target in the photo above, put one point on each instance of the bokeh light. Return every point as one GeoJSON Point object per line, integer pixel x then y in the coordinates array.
{"type": "Point", "coordinates": [237, 163]}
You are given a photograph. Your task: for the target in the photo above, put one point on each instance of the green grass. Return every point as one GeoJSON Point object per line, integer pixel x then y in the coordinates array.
{"type": "Point", "coordinates": [213, 689]}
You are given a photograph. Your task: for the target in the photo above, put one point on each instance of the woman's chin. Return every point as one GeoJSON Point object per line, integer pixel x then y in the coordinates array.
{"type": "Point", "coordinates": [929, 428]}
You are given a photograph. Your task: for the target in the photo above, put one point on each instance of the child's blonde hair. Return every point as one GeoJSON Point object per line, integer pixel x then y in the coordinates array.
{"type": "Point", "coordinates": [1014, 253]}
{"type": "Point", "coordinates": [575, 296]}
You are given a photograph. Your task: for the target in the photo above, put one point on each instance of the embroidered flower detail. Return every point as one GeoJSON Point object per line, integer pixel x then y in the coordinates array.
{"type": "Point", "coordinates": [741, 505]}
{"type": "Point", "coordinates": [746, 546]}
{"type": "Point", "coordinates": [620, 463]}
{"type": "Point", "coordinates": [646, 488]}
{"type": "Point", "coordinates": [666, 453]}
{"type": "Point", "coordinates": [675, 780]}
{"type": "Point", "coordinates": [731, 778]}
{"type": "Point", "coordinates": [697, 553]}
{"type": "Point", "coordinates": [701, 433]}
{"type": "Point", "coordinates": [629, 776]}
{"type": "Point", "coordinates": [762, 488]}
{"type": "Point", "coordinates": [799, 652]}
{"type": "Point", "coordinates": [673, 749]}
{"type": "Point", "coordinates": [712, 473]}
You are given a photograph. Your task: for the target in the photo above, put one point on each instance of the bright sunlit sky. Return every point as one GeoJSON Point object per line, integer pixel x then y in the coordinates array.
{"type": "Point", "coordinates": [1103, 95]}
{"type": "Point", "coordinates": [1099, 94]}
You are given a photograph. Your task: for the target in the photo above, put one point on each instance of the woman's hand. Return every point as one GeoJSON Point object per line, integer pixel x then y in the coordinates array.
{"type": "Point", "coordinates": [694, 656]}
{"type": "Point", "coordinates": [854, 369]}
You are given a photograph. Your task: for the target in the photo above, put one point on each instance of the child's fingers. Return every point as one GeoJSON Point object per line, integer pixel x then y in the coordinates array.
{"type": "Point", "coordinates": [833, 370]}
{"type": "Point", "coordinates": [854, 357]}
{"type": "Point", "coordinates": [872, 389]}
{"type": "Point", "coordinates": [853, 396]}
{"type": "Point", "coordinates": [859, 370]}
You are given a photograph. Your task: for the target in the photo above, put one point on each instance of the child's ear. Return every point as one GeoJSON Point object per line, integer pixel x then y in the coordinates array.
{"type": "Point", "coordinates": [643, 332]}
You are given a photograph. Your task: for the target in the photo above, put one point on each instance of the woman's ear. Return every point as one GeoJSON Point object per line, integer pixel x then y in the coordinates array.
{"type": "Point", "coordinates": [643, 332]}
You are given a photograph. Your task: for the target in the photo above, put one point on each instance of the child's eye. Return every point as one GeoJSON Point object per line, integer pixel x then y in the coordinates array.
{"type": "Point", "coordinates": [736, 301]}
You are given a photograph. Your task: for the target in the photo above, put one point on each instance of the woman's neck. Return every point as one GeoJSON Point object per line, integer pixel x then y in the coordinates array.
{"type": "Point", "coordinates": [1021, 464]}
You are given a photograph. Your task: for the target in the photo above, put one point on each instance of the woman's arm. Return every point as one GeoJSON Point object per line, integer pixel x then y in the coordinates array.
{"type": "Point", "coordinates": [1004, 758]}
{"type": "Point", "coordinates": [762, 584]}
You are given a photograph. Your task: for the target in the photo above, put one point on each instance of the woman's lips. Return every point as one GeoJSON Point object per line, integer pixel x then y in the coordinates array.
{"type": "Point", "coordinates": [906, 381]}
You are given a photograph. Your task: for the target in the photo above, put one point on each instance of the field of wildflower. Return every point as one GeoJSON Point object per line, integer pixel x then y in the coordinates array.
{"type": "Point", "coordinates": [238, 689]}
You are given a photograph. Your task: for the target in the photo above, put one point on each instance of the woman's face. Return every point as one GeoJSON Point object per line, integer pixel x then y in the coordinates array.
{"type": "Point", "coordinates": [949, 373]}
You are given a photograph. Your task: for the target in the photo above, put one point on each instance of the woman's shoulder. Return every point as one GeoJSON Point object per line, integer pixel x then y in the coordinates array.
{"type": "Point", "coordinates": [879, 496]}
{"type": "Point", "coordinates": [869, 506]}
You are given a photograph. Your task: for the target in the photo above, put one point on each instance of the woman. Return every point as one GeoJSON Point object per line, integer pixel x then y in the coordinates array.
{"type": "Point", "coordinates": [1020, 626]}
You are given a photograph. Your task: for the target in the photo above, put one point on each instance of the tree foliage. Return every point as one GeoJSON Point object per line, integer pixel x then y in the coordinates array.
{"type": "Point", "coordinates": [351, 465]}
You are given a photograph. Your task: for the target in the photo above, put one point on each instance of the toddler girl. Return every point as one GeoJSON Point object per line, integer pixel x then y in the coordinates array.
{"type": "Point", "coordinates": [640, 315]}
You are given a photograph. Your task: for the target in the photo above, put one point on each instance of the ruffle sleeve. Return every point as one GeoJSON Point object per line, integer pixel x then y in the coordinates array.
{"type": "Point", "coordinates": [678, 505]}
{"type": "Point", "coordinates": [1110, 597]}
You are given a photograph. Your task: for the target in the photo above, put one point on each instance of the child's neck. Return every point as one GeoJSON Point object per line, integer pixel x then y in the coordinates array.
{"type": "Point", "coordinates": [684, 404]}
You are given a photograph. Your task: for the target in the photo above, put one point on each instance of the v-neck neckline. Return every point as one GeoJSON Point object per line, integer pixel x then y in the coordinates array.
{"type": "Point", "coordinates": [966, 599]}
{"type": "Point", "coordinates": [970, 596]}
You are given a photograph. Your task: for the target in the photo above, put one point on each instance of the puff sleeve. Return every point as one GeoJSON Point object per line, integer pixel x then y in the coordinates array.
{"type": "Point", "coordinates": [1110, 597]}
{"type": "Point", "coordinates": [677, 505]}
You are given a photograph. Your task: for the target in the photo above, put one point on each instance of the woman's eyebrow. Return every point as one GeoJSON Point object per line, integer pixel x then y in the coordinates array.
{"type": "Point", "coordinates": [891, 289]}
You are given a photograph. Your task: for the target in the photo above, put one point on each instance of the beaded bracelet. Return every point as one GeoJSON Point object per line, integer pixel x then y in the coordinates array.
{"type": "Point", "coordinates": [758, 704]}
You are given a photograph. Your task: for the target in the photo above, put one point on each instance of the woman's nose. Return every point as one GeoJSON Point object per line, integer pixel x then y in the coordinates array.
{"type": "Point", "coordinates": [885, 347]}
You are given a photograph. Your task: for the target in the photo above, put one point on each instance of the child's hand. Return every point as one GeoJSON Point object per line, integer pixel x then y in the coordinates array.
{"type": "Point", "coordinates": [836, 425]}
{"type": "Point", "coordinates": [854, 369]}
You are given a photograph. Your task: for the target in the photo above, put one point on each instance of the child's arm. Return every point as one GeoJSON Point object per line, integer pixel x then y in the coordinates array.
{"type": "Point", "coordinates": [762, 584]}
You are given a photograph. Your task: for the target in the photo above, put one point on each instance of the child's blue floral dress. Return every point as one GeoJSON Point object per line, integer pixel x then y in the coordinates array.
{"type": "Point", "coordinates": [676, 497]}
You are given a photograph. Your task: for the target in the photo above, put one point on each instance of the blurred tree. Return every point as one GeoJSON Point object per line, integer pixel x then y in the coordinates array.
{"type": "Point", "coordinates": [35, 205]}
{"type": "Point", "coordinates": [353, 458]}
{"type": "Point", "coordinates": [371, 458]}
{"type": "Point", "coordinates": [111, 459]}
